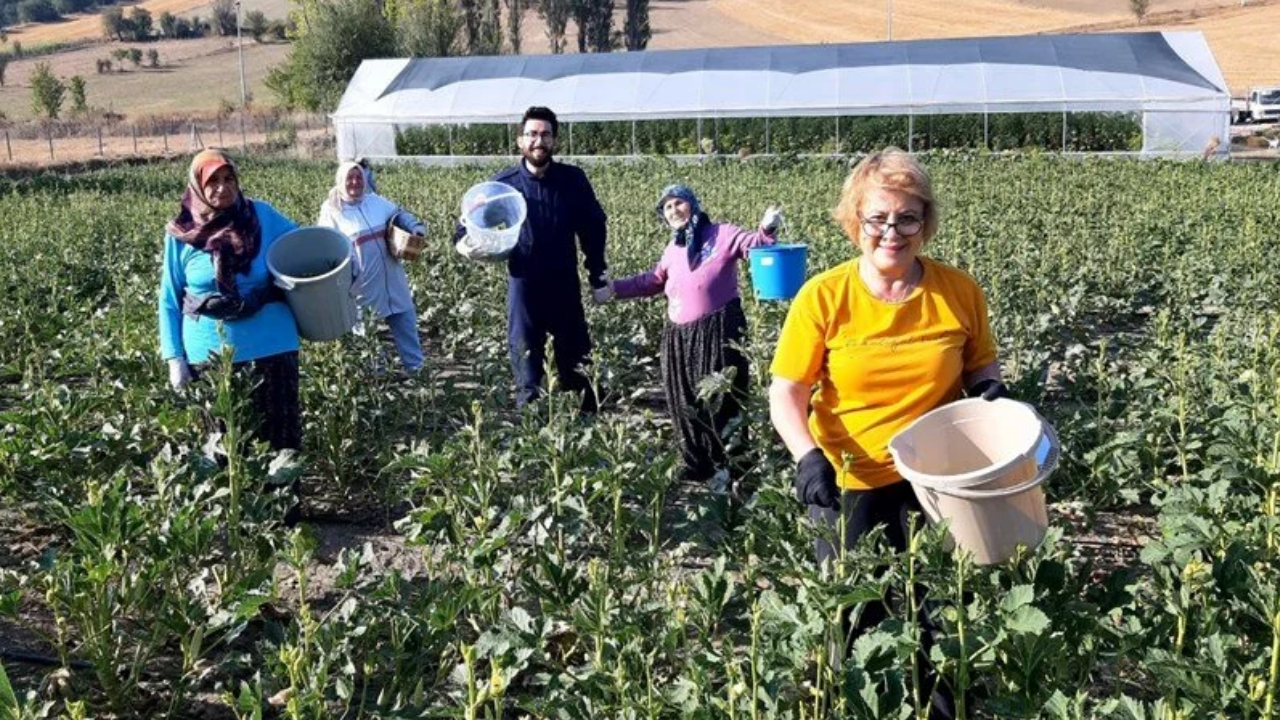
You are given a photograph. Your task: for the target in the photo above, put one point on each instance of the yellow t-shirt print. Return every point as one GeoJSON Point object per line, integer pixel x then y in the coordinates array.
{"type": "Point", "coordinates": [879, 365]}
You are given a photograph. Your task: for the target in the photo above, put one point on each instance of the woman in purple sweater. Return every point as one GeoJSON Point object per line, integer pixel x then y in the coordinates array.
{"type": "Point", "coordinates": [698, 271]}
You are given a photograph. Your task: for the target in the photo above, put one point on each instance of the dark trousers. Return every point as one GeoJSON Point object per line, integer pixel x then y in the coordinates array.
{"type": "Point", "coordinates": [534, 311]}
{"type": "Point", "coordinates": [690, 353]}
{"type": "Point", "coordinates": [273, 394]}
{"type": "Point", "coordinates": [863, 511]}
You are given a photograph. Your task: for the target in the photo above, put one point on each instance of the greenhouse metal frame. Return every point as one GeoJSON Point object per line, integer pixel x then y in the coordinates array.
{"type": "Point", "coordinates": [1170, 79]}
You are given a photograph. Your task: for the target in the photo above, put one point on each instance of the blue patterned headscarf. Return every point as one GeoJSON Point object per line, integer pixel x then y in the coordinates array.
{"type": "Point", "coordinates": [688, 236]}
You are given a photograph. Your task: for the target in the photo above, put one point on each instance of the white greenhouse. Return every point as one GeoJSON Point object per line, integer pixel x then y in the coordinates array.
{"type": "Point", "coordinates": [1168, 81]}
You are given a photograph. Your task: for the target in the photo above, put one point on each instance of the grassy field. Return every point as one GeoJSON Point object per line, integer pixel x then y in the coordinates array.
{"type": "Point", "coordinates": [195, 76]}
{"type": "Point", "coordinates": [1242, 38]}
{"type": "Point", "coordinates": [461, 560]}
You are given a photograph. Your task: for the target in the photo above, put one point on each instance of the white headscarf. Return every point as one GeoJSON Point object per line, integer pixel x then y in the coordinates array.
{"type": "Point", "coordinates": [338, 194]}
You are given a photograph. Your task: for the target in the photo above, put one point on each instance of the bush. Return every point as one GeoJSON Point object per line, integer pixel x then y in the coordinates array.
{"type": "Point", "coordinates": [279, 30]}
{"type": "Point", "coordinates": [153, 58]}
{"type": "Point", "coordinates": [104, 65]}
{"type": "Point", "coordinates": [1086, 132]}
{"type": "Point", "coordinates": [135, 57]}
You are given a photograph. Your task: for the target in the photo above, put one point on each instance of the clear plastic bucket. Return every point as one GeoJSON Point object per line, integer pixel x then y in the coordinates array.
{"type": "Point", "coordinates": [313, 267]}
{"type": "Point", "coordinates": [492, 213]}
{"type": "Point", "coordinates": [979, 464]}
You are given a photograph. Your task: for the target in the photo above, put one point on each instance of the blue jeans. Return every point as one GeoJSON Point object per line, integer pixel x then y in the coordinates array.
{"type": "Point", "coordinates": [404, 330]}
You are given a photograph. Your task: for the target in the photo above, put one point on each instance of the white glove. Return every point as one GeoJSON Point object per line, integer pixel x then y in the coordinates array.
{"type": "Point", "coordinates": [602, 295]}
{"type": "Point", "coordinates": [772, 220]}
{"type": "Point", "coordinates": [179, 373]}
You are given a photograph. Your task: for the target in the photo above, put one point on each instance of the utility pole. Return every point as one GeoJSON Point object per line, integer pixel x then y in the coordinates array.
{"type": "Point", "coordinates": [244, 96]}
{"type": "Point", "coordinates": [889, 17]}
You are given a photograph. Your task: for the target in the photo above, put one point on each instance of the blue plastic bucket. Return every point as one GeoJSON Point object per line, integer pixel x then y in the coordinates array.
{"type": "Point", "coordinates": [777, 271]}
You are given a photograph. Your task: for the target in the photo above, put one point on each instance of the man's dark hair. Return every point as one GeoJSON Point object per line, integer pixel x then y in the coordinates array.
{"type": "Point", "coordinates": [537, 112]}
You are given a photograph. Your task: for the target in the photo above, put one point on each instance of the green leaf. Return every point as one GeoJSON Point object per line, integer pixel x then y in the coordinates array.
{"type": "Point", "coordinates": [1027, 620]}
{"type": "Point", "coordinates": [8, 701]}
{"type": "Point", "coordinates": [1017, 596]}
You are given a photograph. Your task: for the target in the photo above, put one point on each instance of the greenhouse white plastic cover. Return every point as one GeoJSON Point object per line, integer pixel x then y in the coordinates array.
{"type": "Point", "coordinates": [1171, 78]}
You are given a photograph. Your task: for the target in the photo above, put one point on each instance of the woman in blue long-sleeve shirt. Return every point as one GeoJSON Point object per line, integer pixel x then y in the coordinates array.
{"type": "Point", "coordinates": [215, 287]}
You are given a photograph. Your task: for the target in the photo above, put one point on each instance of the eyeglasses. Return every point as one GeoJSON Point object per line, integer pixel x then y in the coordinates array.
{"type": "Point", "coordinates": [907, 226]}
{"type": "Point", "coordinates": [539, 135]}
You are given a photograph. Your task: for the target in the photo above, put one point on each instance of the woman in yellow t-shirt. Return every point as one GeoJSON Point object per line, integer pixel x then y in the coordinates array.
{"type": "Point", "coordinates": [885, 338]}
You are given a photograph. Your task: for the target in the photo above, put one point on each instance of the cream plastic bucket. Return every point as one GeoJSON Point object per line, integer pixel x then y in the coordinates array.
{"type": "Point", "coordinates": [313, 267]}
{"type": "Point", "coordinates": [979, 464]}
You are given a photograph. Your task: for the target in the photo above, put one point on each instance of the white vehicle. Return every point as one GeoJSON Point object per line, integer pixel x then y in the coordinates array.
{"type": "Point", "coordinates": [1262, 105]}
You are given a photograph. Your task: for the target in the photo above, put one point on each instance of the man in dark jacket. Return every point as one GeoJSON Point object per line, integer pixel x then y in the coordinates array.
{"type": "Point", "coordinates": [543, 293]}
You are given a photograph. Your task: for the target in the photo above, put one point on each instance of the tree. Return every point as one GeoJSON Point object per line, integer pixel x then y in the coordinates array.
{"type": "Point", "coordinates": [1139, 8]}
{"type": "Point", "coordinates": [255, 21]}
{"type": "Point", "coordinates": [470, 23]}
{"type": "Point", "coordinates": [636, 28]}
{"type": "Point", "coordinates": [38, 11]}
{"type": "Point", "coordinates": [224, 17]}
{"type": "Point", "coordinates": [153, 58]}
{"type": "Point", "coordinates": [581, 12]}
{"type": "Point", "coordinates": [114, 26]}
{"type": "Point", "coordinates": [135, 57]}
{"type": "Point", "coordinates": [140, 24]}
{"type": "Point", "coordinates": [47, 91]}
{"type": "Point", "coordinates": [515, 19]}
{"type": "Point", "coordinates": [600, 35]}
{"type": "Point", "coordinates": [67, 7]}
{"type": "Point", "coordinates": [4, 65]}
{"type": "Point", "coordinates": [168, 25]}
{"type": "Point", "coordinates": [555, 15]}
{"type": "Point", "coordinates": [489, 41]}
{"type": "Point", "coordinates": [429, 29]}
{"type": "Point", "coordinates": [338, 37]}
{"type": "Point", "coordinates": [76, 85]}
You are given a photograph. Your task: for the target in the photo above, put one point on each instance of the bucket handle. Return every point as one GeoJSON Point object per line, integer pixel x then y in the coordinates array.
{"type": "Point", "coordinates": [1042, 474]}
{"type": "Point", "coordinates": [283, 284]}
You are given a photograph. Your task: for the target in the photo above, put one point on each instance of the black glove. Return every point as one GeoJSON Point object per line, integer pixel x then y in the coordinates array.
{"type": "Point", "coordinates": [815, 482]}
{"type": "Point", "coordinates": [988, 390]}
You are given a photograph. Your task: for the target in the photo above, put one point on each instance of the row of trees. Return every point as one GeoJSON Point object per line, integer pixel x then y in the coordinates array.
{"type": "Point", "coordinates": [49, 92]}
{"type": "Point", "coordinates": [27, 11]}
{"type": "Point", "coordinates": [139, 26]}
{"type": "Point", "coordinates": [335, 36]}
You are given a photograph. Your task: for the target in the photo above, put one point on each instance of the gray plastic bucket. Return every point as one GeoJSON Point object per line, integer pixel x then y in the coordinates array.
{"type": "Point", "coordinates": [980, 464]}
{"type": "Point", "coordinates": [313, 267]}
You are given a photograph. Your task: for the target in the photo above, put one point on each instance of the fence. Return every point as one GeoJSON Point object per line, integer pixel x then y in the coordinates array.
{"type": "Point", "coordinates": [303, 135]}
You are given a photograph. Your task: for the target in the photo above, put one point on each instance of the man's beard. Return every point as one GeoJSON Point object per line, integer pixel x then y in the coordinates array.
{"type": "Point", "coordinates": [534, 161]}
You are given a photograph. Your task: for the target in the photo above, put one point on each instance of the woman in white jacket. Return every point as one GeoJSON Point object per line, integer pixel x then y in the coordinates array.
{"type": "Point", "coordinates": [381, 285]}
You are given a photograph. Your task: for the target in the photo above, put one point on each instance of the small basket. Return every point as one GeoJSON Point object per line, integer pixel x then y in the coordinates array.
{"type": "Point", "coordinates": [402, 244]}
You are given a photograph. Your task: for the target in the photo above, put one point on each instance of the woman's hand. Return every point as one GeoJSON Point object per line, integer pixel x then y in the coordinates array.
{"type": "Point", "coordinates": [815, 482]}
{"type": "Point", "coordinates": [989, 389]}
{"type": "Point", "coordinates": [771, 221]}
{"type": "Point", "coordinates": [604, 293]}
{"type": "Point", "coordinates": [179, 373]}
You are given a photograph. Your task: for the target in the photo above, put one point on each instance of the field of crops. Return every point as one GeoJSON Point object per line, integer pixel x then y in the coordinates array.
{"type": "Point", "coordinates": [460, 560]}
